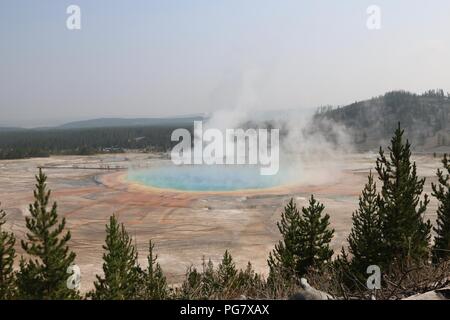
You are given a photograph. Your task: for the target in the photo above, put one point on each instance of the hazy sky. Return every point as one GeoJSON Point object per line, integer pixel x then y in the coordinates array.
{"type": "Point", "coordinates": [164, 57]}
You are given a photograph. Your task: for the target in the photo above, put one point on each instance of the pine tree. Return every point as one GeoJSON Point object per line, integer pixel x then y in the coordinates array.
{"type": "Point", "coordinates": [192, 284]}
{"type": "Point", "coordinates": [282, 260]}
{"type": "Point", "coordinates": [314, 238]}
{"type": "Point", "coordinates": [365, 237]}
{"type": "Point", "coordinates": [441, 191]}
{"type": "Point", "coordinates": [406, 235]}
{"type": "Point", "coordinates": [44, 275]}
{"type": "Point", "coordinates": [306, 240]}
{"type": "Point", "coordinates": [120, 268]}
{"type": "Point", "coordinates": [7, 255]}
{"type": "Point", "coordinates": [155, 284]}
{"type": "Point", "coordinates": [248, 278]}
{"type": "Point", "coordinates": [227, 270]}
{"type": "Point", "coordinates": [210, 284]}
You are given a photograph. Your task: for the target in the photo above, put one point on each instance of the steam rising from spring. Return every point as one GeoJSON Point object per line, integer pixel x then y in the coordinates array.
{"type": "Point", "coordinates": [311, 151]}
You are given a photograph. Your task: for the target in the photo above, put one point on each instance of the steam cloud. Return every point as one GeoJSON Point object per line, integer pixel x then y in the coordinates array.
{"type": "Point", "coordinates": [312, 152]}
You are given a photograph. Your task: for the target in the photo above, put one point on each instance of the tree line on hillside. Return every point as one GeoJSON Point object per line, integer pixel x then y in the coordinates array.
{"type": "Point", "coordinates": [389, 231]}
{"type": "Point", "coordinates": [17, 144]}
{"type": "Point", "coordinates": [425, 118]}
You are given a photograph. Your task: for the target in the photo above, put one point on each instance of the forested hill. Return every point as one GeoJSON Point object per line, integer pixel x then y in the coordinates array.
{"type": "Point", "coordinates": [425, 118]}
{"type": "Point", "coordinates": [92, 136]}
{"type": "Point", "coordinates": [137, 122]}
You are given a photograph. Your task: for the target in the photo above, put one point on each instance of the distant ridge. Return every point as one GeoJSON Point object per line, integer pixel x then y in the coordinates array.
{"type": "Point", "coordinates": [424, 117]}
{"type": "Point", "coordinates": [123, 122]}
{"type": "Point", "coordinates": [9, 129]}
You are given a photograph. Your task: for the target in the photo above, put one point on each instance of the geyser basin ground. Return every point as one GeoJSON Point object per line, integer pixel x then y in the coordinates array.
{"type": "Point", "coordinates": [206, 177]}
{"type": "Point", "coordinates": [185, 226]}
